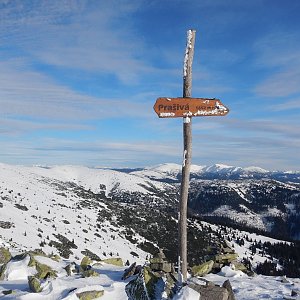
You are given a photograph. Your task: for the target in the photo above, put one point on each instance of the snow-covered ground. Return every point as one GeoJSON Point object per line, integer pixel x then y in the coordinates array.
{"type": "Point", "coordinates": [257, 287]}
{"type": "Point", "coordinates": [63, 287]}
{"type": "Point", "coordinates": [109, 280]}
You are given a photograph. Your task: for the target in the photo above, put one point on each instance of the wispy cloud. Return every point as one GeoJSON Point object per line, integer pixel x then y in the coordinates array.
{"type": "Point", "coordinates": [280, 54]}
{"type": "Point", "coordinates": [282, 83]}
{"type": "Point", "coordinates": [288, 105]}
{"type": "Point", "coordinates": [27, 94]}
{"type": "Point", "coordinates": [77, 35]}
{"type": "Point", "coordinates": [113, 153]}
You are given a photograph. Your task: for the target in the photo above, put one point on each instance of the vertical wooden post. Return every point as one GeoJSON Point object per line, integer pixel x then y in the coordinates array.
{"type": "Point", "coordinates": [187, 156]}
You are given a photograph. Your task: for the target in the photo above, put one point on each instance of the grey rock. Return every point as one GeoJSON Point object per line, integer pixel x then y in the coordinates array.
{"type": "Point", "coordinates": [203, 269]}
{"type": "Point", "coordinates": [89, 295]}
{"type": "Point", "coordinates": [295, 293]}
{"type": "Point", "coordinates": [209, 292]}
{"type": "Point", "coordinates": [34, 284]}
{"type": "Point", "coordinates": [5, 255]}
{"type": "Point", "coordinates": [228, 287]}
{"type": "Point", "coordinates": [160, 263]}
{"type": "Point", "coordinates": [129, 271]}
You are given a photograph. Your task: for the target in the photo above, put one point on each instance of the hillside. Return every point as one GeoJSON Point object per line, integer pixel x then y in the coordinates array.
{"type": "Point", "coordinates": [75, 211]}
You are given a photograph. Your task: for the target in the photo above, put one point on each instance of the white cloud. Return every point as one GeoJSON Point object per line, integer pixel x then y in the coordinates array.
{"type": "Point", "coordinates": [288, 105]}
{"type": "Point", "coordinates": [282, 83]}
{"type": "Point", "coordinates": [104, 153]}
{"type": "Point", "coordinates": [35, 97]}
{"type": "Point", "coordinates": [279, 54]}
{"type": "Point", "coordinates": [94, 37]}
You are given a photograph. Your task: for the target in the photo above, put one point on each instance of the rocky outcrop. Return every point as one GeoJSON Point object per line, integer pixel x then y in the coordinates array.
{"type": "Point", "coordinates": [136, 289]}
{"type": "Point", "coordinates": [159, 263]}
{"type": "Point", "coordinates": [210, 291]}
{"type": "Point", "coordinates": [34, 284]}
{"type": "Point", "coordinates": [132, 270]}
{"type": "Point", "coordinates": [203, 269]}
{"type": "Point", "coordinates": [228, 287]}
{"type": "Point", "coordinates": [226, 258]}
{"type": "Point", "coordinates": [152, 281]}
{"type": "Point", "coordinates": [89, 295]}
{"type": "Point", "coordinates": [116, 261]}
{"type": "Point", "coordinates": [90, 273]}
{"type": "Point", "coordinates": [85, 263]}
{"type": "Point", "coordinates": [5, 255]}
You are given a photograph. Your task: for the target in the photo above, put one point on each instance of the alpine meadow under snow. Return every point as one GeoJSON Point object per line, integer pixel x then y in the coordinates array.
{"type": "Point", "coordinates": [104, 214]}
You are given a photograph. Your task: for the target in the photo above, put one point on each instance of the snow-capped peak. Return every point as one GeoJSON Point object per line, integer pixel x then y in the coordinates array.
{"type": "Point", "coordinates": [253, 169]}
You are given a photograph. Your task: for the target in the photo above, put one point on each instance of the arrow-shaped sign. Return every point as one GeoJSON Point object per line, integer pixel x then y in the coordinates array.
{"type": "Point", "coordinates": [189, 107]}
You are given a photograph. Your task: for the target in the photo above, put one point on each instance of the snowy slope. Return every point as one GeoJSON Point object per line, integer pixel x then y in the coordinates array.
{"type": "Point", "coordinates": [40, 205]}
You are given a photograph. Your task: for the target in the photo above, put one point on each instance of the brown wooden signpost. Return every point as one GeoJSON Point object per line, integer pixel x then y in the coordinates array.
{"type": "Point", "coordinates": [187, 107]}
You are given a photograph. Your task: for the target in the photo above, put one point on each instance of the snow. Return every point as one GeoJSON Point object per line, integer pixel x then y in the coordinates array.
{"type": "Point", "coordinates": [109, 280]}
{"type": "Point", "coordinates": [248, 217]}
{"type": "Point", "coordinates": [238, 190]}
{"type": "Point", "coordinates": [187, 50]}
{"type": "Point", "coordinates": [167, 171]}
{"type": "Point", "coordinates": [90, 178]}
{"type": "Point", "coordinates": [46, 200]}
{"type": "Point", "coordinates": [18, 270]}
{"type": "Point", "coordinates": [184, 158]}
{"type": "Point", "coordinates": [258, 287]}
{"type": "Point", "coordinates": [186, 120]}
{"type": "Point", "coordinates": [187, 293]}
{"type": "Point", "coordinates": [229, 271]}
{"type": "Point", "coordinates": [255, 169]}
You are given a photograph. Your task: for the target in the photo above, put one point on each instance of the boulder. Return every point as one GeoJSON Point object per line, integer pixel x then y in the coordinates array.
{"type": "Point", "coordinates": [226, 248]}
{"type": "Point", "coordinates": [129, 271]}
{"type": "Point", "coordinates": [44, 271]}
{"type": "Point", "coordinates": [160, 263]}
{"type": "Point", "coordinates": [116, 261]}
{"type": "Point", "coordinates": [90, 273]}
{"type": "Point", "coordinates": [8, 292]}
{"type": "Point", "coordinates": [89, 295]}
{"type": "Point", "coordinates": [146, 285]}
{"type": "Point", "coordinates": [203, 269]}
{"type": "Point", "coordinates": [68, 269]}
{"type": "Point", "coordinates": [228, 287]}
{"type": "Point", "coordinates": [150, 278]}
{"type": "Point", "coordinates": [85, 263]}
{"type": "Point", "coordinates": [136, 289]}
{"type": "Point", "coordinates": [34, 284]}
{"type": "Point", "coordinates": [210, 292]}
{"type": "Point", "coordinates": [226, 258]}
{"type": "Point", "coordinates": [2, 271]}
{"type": "Point", "coordinates": [5, 255]}
{"type": "Point", "coordinates": [295, 293]}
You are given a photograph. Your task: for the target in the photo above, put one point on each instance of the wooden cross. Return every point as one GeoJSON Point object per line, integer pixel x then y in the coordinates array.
{"type": "Point", "coordinates": [187, 108]}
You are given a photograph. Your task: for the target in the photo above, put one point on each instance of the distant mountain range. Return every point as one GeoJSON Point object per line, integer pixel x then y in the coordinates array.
{"type": "Point", "coordinates": [172, 173]}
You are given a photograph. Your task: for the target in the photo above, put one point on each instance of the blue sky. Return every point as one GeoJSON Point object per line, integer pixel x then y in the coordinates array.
{"type": "Point", "coordinates": [78, 81]}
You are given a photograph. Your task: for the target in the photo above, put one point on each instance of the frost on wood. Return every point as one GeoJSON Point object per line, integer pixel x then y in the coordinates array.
{"type": "Point", "coordinates": [167, 114]}
{"type": "Point", "coordinates": [187, 119]}
{"type": "Point", "coordinates": [187, 50]}
{"type": "Point", "coordinates": [184, 158]}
